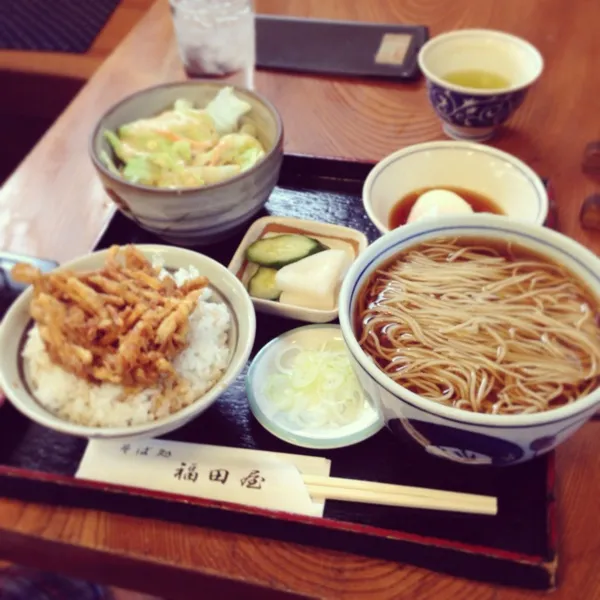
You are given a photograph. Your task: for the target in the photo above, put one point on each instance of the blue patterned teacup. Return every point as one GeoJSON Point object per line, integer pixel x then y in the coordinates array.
{"type": "Point", "coordinates": [474, 113]}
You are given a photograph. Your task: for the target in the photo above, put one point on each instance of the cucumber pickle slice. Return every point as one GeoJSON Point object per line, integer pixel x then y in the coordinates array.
{"type": "Point", "coordinates": [262, 284]}
{"type": "Point", "coordinates": [281, 250]}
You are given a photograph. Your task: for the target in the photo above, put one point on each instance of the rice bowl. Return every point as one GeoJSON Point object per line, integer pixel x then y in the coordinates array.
{"type": "Point", "coordinates": [221, 335]}
{"type": "Point", "coordinates": [106, 405]}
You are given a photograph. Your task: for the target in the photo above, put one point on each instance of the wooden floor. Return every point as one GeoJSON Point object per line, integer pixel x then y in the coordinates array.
{"type": "Point", "coordinates": [79, 66]}
{"type": "Point", "coordinates": [117, 593]}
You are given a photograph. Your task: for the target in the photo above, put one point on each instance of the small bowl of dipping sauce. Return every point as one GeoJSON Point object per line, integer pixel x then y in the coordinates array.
{"type": "Point", "coordinates": [477, 78]}
{"type": "Point", "coordinates": [452, 178]}
{"type": "Point", "coordinates": [301, 387]}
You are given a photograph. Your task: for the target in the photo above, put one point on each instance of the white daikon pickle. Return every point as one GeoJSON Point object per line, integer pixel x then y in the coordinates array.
{"type": "Point", "coordinates": [306, 300]}
{"type": "Point", "coordinates": [314, 281]}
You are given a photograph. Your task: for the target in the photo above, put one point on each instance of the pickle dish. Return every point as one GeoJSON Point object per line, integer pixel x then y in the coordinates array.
{"type": "Point", "coordinates": [294, 267]}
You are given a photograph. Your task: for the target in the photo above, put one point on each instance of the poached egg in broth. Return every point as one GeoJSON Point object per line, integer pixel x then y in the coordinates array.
{"type": "Point", "coordinates": [429, 203]}
{"type": "Point", "coordinates": [436, 203]}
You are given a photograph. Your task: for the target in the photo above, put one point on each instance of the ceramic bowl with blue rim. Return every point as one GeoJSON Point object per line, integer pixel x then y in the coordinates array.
{"type": "Point", "coordinates": [503, 67]}
{"type": "Point", "coordinates": [448, 432]}
{"type": "Point", "coordinates": [514, 188]}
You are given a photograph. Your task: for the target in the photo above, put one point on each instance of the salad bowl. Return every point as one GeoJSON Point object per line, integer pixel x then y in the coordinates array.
{"type": "Point", "coordinates": [195, 215]}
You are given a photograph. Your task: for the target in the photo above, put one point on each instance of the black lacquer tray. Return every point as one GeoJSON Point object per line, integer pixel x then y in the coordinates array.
{"type": "Point", "coordinates": [516, 547]}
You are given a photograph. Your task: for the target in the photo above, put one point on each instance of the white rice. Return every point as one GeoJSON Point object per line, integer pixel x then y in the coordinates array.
{"type": "Point", "coordinates": [201, 364]}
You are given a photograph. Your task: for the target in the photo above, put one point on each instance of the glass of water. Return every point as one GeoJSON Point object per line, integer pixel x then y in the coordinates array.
{"type": "Point", "coordinates": [216, 38]}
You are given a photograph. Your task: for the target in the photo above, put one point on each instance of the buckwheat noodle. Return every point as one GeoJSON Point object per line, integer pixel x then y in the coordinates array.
{"type": "Point", "coordinates": [489, 329]}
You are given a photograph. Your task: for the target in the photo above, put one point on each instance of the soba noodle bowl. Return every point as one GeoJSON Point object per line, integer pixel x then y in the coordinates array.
{"type": "Point", "coordinates": [485, 327]}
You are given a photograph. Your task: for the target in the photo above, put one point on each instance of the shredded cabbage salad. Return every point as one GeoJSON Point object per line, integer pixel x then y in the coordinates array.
{"type": "Point", "coordinates": [316, 387]}
{"type": "Point", "coordinates": [186, 146]}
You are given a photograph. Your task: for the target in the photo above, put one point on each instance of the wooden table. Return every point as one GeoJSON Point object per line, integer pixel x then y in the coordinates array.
{"type": "Point", "coordinates": [54, 206]}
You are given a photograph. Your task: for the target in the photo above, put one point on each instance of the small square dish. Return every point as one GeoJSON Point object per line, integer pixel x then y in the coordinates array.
{"type": "Point", "coordinates": [318, 260]}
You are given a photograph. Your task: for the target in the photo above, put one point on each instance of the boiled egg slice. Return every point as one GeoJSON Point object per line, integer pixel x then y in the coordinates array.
{"type": "Point", "coordinates": [436, 203]}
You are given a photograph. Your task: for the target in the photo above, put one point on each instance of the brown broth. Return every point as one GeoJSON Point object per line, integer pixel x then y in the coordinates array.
{"type": "Point", "coordinates": [479, 203]}
{"type": "Point", "coordinates": [369, 295]}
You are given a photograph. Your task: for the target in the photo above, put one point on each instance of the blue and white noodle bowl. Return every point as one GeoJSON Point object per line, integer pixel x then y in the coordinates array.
{"type": "Point", "coordinates": [448, 432]}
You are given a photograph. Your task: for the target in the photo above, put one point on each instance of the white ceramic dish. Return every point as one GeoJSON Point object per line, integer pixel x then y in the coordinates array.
{"type": "Point", "coordinates": [452, 433]}
{"type": "Point", "coordinates": [497, 175]}
{"type": "Point", "coordinates": [334, 236]}
{"type": "Point", "coordinates": [17, 321]}
{"type": "Point", "coordinates": [308, 336]}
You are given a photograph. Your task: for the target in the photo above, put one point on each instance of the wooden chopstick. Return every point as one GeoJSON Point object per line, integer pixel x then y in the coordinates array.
{"type": "Point", "coordinates": [390, 488]}
{"type": "Point", "coordinates": [372, 492]}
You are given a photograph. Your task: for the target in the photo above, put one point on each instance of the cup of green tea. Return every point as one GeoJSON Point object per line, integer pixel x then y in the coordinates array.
{"type": "Point", "coordinates": [477, 78]}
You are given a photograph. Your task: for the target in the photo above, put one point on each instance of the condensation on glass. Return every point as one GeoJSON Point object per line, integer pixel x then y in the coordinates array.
{"type": "Point", "coordinates": [216, 38]}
